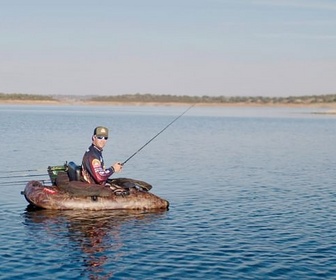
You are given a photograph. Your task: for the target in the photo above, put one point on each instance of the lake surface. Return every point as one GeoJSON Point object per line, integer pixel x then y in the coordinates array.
{"type": "Point", "coordinates": [251, 191]}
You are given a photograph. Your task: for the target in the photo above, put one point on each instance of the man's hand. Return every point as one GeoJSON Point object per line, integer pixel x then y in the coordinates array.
{"type": "Point", "coordinates": [117, 167]}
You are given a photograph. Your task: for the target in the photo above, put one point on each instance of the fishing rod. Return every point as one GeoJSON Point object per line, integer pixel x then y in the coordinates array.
{"type": "Point", "coordinates": [22, 176]}
{"type": "Point", "coordinates": [158, 134]}
{"type": "Point", "coordinates": [20, 171]}
{"type": "Point", "coordinates": [9, 183]}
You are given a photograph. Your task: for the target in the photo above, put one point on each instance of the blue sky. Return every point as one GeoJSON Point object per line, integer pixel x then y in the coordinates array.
{"type": "Point", "coordinates": [178, 47]}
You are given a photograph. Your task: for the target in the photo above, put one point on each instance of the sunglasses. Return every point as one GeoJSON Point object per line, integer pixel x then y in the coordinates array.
{"type": "Point", "coordinates": [102, 137]}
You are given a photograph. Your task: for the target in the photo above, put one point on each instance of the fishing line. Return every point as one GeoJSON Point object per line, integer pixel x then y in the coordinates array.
{"type": "Point", "coordinates": [158, 134]}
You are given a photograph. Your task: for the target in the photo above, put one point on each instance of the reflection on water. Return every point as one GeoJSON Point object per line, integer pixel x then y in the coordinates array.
{"type": "Point", "coordinates": [95, 234]}
{"type": "Point", "coordinates": [252, 194]}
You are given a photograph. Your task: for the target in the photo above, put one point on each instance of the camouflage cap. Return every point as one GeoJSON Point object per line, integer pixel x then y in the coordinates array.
{"type": "Point", "coordinates": [100, 131]}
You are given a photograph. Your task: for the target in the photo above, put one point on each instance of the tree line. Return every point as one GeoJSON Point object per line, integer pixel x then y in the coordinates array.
{"type": "Point", "coordinates": [157, 98]}
{"type": "Point", "coordinates": [330, 98]}
{"type": "Point", "coordinates": [28, 97]}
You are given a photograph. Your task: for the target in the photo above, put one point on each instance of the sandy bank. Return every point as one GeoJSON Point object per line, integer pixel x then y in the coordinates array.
{"type": "Point", "coordinates": [328, 107]}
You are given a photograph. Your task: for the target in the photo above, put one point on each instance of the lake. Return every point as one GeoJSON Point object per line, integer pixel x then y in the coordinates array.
{"type": "Point", "coordinates": [251, 192]}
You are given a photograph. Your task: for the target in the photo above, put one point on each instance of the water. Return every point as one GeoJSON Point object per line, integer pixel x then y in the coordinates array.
{"type": "Point", "coordinates": [252, 194]}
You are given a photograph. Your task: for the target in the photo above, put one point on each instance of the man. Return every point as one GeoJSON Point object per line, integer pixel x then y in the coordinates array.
{"type": "Point", "coordinates": [93, 168]}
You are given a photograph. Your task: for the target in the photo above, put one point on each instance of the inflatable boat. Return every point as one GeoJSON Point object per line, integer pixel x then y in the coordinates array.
{"type": "Point", "coordinates": [67, 192]}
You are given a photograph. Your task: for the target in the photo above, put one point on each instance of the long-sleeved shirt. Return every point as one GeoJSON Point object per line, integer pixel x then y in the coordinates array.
{"type": "Point", "coordinates": [93, 168]}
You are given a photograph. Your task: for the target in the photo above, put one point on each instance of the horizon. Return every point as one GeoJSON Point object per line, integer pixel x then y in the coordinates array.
{"type": "Point", "coordinates": [166, 95]}
{"type": "Point", "coordinates": [273, 48]}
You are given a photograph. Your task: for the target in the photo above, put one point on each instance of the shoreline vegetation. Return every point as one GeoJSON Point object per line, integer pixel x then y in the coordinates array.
{"type": "Point", "coordinates": [322, 101]}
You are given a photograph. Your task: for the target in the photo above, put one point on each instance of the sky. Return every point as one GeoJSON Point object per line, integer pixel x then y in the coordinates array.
{"type": "Point", "coordinates": [177, 47]}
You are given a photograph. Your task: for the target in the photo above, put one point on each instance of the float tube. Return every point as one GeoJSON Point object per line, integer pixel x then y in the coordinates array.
{"type": "Point", "coordinates": [67, 192]}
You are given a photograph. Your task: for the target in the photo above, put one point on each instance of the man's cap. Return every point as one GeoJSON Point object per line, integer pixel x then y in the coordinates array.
{"type": "Point", "coordinates": [100, 131]}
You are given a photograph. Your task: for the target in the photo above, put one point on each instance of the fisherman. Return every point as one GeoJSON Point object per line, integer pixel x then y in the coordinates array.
{"type": "Point", "coordinates": [93, 168]}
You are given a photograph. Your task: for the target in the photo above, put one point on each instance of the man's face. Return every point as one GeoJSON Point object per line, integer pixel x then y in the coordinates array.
{"type": "Point", "coordinates": [99, 141]}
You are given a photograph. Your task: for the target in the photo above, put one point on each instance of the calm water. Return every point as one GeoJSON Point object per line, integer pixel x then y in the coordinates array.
{"type": "Point", "coordinates": [252, 194]}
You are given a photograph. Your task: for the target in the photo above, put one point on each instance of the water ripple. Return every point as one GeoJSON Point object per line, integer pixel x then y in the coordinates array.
{"type": "Point", "coordinates": [251, 198]}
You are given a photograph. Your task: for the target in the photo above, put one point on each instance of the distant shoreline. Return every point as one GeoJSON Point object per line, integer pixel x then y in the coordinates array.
{"type": "Point", "coordinates": [319, 104]}
{"type": "Point", "coordinates": [137, 103]}
{"type": "Point", "coordinates": [328, 108]}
